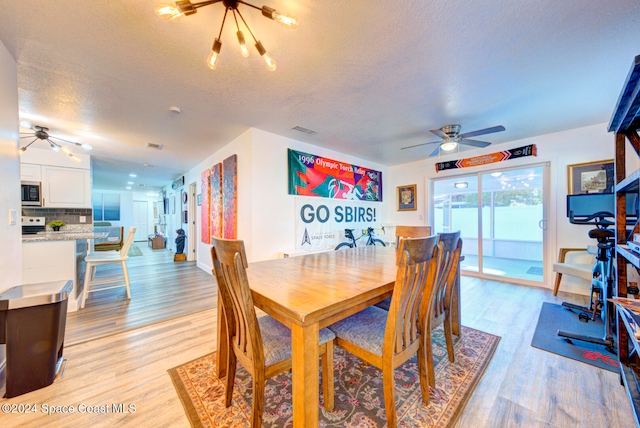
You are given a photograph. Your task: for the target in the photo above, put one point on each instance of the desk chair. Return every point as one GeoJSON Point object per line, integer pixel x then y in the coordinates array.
{"type": "Point", "coordinates": [386, 340]}
{"type": "Point", "coordinates": [95, 259]}
{"type": "Point", "coordinates": [262, 345]}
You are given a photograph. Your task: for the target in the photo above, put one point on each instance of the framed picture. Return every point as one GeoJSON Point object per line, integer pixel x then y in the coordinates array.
{"type": "Point", "coordinates": [591, 177]}
{"type": "Point", "coordinates": [199, 199]}
{"type": "Point", "coordinates": [406, 196]}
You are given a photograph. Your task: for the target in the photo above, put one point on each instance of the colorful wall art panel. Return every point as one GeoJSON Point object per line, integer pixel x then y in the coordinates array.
{"type": "Point", "coordinates": [216, 201]}
{"type": "Point", "coordinates": [205, 223]}
{"type": "Point", "coordinates": [311, 175]}
{"type": "Point", "coordinates": [229, 197]}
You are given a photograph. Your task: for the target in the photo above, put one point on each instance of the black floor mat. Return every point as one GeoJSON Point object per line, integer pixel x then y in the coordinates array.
{"type": "Point", "coordinates": [556, 317]}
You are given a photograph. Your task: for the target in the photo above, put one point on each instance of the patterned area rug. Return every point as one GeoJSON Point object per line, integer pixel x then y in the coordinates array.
{"type": "Point", "coordinates": [359, 400]}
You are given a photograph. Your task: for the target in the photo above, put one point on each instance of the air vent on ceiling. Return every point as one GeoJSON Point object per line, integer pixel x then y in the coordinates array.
{"type": "Point", "coordinates": [142, 185]}
{"type": "Point", "coordinates": [154, 146]}
{"type": "Point", "coordinates": [304, 130]}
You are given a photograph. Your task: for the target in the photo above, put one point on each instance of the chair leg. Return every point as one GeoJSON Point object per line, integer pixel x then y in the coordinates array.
{"type": "Point", "coordinates": [258, 399]}
{"type": "Point", "coordinates": [231, 375]}
{"type": "Point", "coordinates": [327, 377]}
{"type": "Point", "coordinates": [431, 373]}
{"type": "Point", "coordinates": [557, 284]}
{"type": "Point", "coordinates": [87, 283]}
{"type": "Point", "coordinates": [422, 372]}
{"type": "Point", "coordinates": [126, 278]}
{"type": "Point", "coordinates": [389, 386]}
{"type": "Point", "coordinates": [448, 337]}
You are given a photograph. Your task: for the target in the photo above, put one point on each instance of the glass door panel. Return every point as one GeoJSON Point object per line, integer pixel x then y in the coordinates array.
{"type": "Point", "coordinates": [513, 221]}
{"type": "Point", "coordinates": [455, 207]}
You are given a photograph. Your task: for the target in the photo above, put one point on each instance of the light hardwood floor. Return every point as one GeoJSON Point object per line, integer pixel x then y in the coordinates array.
{"type": "Point", "coordinates": [522, 387]}
{"type": "Point", "coordinates": [161, 289]}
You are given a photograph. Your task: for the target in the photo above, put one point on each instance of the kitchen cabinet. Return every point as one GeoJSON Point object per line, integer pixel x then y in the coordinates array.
{"type": "Point", "coordinates": [30, 172]}
{"type": "Point", "coordinates": [66, 187]}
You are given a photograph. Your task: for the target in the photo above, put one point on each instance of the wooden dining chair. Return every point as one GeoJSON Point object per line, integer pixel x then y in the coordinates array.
{"type": "Point", "coordinates": [451, 246]}
{"type": "Point", "coordinates": [94, 260]}
{"type": "Point", "coordinates": [262, 345]}
{"type": "Point", "coordinates": [403, 232]}
{"type": "Point", "coordinates": [387, 339]}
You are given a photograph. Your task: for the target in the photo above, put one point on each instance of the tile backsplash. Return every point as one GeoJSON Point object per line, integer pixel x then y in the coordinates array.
{"type": "Point", "coordinates": [71, 216]}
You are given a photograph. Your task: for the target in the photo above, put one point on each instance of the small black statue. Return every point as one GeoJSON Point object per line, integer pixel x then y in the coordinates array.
{"type": "Point", "coordinates": [180, 241]}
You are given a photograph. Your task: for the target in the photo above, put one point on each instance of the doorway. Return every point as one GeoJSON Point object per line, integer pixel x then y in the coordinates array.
{"type": "Point", "coordinates": [192, 239]}
{"type": "Point", "coordinates": [141, 220]}
{"type": "Point", "coordinates": [501, 215]}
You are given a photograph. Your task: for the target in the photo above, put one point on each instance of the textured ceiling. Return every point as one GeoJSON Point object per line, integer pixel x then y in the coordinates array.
{"type": "Point", "coordinates": [370, 77]}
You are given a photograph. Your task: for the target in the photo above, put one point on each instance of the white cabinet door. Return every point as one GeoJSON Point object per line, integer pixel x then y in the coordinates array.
{"type": "Point", "coordinates": [30, 172]}
{"type": "Point", "coordinates": [66, 187]}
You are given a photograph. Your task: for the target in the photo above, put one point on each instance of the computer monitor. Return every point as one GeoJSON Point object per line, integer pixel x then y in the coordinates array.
{"type": "Point", "coordinates": [591, 203]}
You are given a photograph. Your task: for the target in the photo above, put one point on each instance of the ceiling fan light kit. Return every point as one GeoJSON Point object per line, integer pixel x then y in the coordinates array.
{"type": "Point", "coordinates": [182, 8]}
{"type": "Point", "coordinates": [42, 133]}
{"type": "Point", "coordinates": [451, 138]}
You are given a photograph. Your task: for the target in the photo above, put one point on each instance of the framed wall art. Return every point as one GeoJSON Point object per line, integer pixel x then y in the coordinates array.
{"type": "Point", "coordinates": [591, 177]}
{"type": "Point", "coordinates": [406, 197]}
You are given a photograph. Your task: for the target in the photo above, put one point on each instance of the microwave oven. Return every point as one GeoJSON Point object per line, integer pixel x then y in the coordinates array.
{"type": "Point", "coordinates": [31, 194]}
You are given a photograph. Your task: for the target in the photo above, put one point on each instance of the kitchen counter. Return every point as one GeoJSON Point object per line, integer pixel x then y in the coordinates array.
{"type": "Point", "coordinates": [62, 236]}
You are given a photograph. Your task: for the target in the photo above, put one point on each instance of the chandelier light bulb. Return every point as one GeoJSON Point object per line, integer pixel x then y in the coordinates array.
{"type": "Point", "coordinates": [86, 146]}
{"type": "Point", "coordinates": [271, 64]}
{"type": "Point", "coordinates": [212, 61]}
{"type": "Point", "coordinates": [22, 150]}
{"type": "Point", "coordinates": [74, 157]}
{"type": "Point", "coordinates": [243, 45]}
{"type": "Point", "coordinates": [168, 12]}
{"type": "Point", "coordinates": [54, 147]}
{"type": "Point", "coordinates": [284, 19]}
{"type": "Point", "coordinates": [67, 151]}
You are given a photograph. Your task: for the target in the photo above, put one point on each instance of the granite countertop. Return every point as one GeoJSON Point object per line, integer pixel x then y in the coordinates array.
{"type": "Point", "coordinates": [63, 236]}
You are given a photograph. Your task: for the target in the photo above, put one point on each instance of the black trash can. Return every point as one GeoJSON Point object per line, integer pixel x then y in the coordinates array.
{"type": "Point", "coordinates": [32, 323]}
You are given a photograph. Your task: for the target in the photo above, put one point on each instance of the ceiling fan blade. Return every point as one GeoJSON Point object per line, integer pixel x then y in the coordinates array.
{"type": "Point", "coordinates": [491, 130]}
{"type": "Point", "coordinates": [435, 152]}
{"type": "Point", "coordinates": [474, 143]}
{"type": "Point", "coordinates": [438, 132]}
{"type": "Point", "coordinates": [418, 145]}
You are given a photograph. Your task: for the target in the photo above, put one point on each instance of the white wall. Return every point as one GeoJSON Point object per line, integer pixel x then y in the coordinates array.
{"type": "Point", "coordinates": [273, 213]}
{"type": "Point", "coordinates": [592, 143]}
{"type": "Point", "coordinates": [240, 146]}
{"type": "Point", "coordinates": [10, 235]}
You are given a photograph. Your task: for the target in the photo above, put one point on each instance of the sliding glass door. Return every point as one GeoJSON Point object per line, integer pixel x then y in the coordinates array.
{"type": "Point", "coordinates": [502, 219]}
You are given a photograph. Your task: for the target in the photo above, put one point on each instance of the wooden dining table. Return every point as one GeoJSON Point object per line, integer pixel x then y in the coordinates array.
{"type": "Point", "coordinates": [307, 293]}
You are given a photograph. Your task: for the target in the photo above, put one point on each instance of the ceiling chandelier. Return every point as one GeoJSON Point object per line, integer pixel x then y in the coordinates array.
{"type": "Point", "coordinates": [41, 133]}
{"type": "Point", "coordinates": [185, 8]}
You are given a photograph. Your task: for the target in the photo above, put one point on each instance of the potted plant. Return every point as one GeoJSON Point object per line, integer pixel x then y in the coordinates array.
{"type": "Point", "coordinates": [56, 224]}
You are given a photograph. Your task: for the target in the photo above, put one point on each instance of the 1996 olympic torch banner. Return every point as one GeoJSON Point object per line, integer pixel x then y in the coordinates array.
{"type": "Point", "coordinates": [311, 175]}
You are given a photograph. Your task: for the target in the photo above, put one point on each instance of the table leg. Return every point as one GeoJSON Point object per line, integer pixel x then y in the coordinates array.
{"type": "Point", "coordinates": [222, 343]}
{"type": "Point", "coordinates": [305, 375]}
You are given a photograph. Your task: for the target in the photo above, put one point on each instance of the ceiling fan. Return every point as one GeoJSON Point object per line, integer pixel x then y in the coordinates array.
{"type": "Point", "coordinates": [42, 133]}
{"type": "Point", "coordinates": [451, 137]}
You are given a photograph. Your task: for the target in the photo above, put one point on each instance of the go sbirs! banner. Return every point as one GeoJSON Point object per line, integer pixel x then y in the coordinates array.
{"type": "Point", "coordinates": [311, 175]}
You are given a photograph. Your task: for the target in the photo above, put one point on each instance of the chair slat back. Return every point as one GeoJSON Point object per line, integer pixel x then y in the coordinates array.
{"type": "Point", "coordinates": [124, 251]}
{"type": "Point", "coordinates": [229, 267]}
{"type": "Point", "coordinates": [447, 271]}
{"type": "Point", "coordinates": [403, 232]}
{"type": "Point", "coordinates": [411, 294]}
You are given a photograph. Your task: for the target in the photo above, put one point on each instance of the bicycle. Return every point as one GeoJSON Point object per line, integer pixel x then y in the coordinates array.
{"type": "Point", "coordinates": [602, 282]}
{"type": "Point", "coordinates": [372, 240]}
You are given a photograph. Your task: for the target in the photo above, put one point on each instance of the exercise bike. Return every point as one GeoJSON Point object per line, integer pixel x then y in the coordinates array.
{"type": "Point", "coordinates": [602, 283]}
